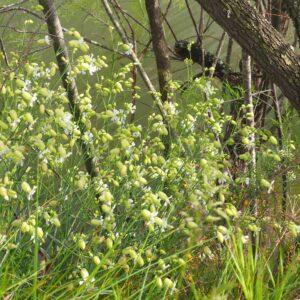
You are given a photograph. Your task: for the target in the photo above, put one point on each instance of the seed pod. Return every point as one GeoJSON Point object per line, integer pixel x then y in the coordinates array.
{"type": "Point", "coordinates": [96, 222]}
{"type": "Point", "coordinates": [159, 282]}
{"type": "Point", "coordinates": [265, 183]}
{"type": "Point", "coordinates": [168, 283]}
{"type": "Point", "coordinates": [81, 244]}
{"type": "Point", "coordinates": [26, 187]}
{"type": "Point", "coordinates": [96, 260]}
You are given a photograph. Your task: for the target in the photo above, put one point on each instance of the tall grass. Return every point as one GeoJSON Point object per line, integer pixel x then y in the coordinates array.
{"type": "Point", "coordinates": [150, 225]}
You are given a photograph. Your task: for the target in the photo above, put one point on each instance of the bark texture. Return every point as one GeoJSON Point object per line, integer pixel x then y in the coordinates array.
{"type": "Point", "coordinates": [160, 46]}
{"type": "Point", "coordinates": [61, 52]}
{"type": "Point", "coordinates": [261, 41]}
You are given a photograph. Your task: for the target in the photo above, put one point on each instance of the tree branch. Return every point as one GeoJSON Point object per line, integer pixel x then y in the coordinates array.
{"type": "Point", "coordinates": [265, 44]}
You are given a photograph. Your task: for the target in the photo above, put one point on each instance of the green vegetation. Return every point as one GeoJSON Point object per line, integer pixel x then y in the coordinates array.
{"type": "Point", "coordinates": [150, 224]}
{"type": "Point", "coordinates": [176, 207]}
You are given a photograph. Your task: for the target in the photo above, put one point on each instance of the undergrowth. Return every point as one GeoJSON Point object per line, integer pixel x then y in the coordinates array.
{"type": "Point", "coordinates": [152, 224]}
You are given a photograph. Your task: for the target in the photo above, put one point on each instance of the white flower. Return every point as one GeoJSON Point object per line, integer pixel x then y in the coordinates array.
{"type": "Point", "coordinates": [47, 39]}
{"type": "Point", "coordinates": [128, 52]}
{"type": "Point", "coordinates": [33, 100]}
{"type": "Point", "coordinates": [93, 69]}
{"type": "Point", "coordinates": [88, 137]}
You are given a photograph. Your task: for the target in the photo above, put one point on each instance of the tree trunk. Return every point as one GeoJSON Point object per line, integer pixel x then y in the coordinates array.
{"type": "Point", "coordinates": [264, 43]}
{"type": "Point", "coordinates": [160, 46]}
{"type": "Point", "coordinates": [56, 32]}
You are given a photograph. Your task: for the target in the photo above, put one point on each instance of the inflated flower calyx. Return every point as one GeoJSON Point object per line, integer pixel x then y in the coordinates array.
{"type": "Point", "coordinates": [4, 193]}
{"type": "Point", "coordinates": [159, 282]}
{"type": "Point", "coordinates": [220, 237]}
{"type": "Point", "coordinates": [96, 222]}
{"type": "Point", "coordinates": [84, 274]}
{"type": "Point", "coordinates": [109, 243]}
{"type": "Point", "coordinates": [265, 183]}
{"type": "Point", "coordinates": [26, 187]}
{"type": "Point", "coordinates": [273, 140]}
{"type": "Point", "coordinates": [96, 260]}
{"type": "Point", "coordinates": [168, 283]}
{"type": "Point", "coordinates": [25, 227]}
{"type": "Point", "coordinates": [81, 244]}
{"type": "Point", "coordinates": [55, 221]}
{"type": "Point", "coordinates": [140, 261]}
{"type": "Point", "coordinates": [146, 214]}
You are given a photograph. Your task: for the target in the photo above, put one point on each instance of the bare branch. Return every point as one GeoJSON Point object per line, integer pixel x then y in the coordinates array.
{"type": "Point", "coordinates": [4, 52]}
{"type": "Point", "coordinates": [7, 7]}
{"type": "Point", "coordinates": [136, 60]}
{"type": "Point", "coordinates": [133, 55]}
{"type": "Point", "coordinates": [218, 53]}
{"type": "Point", "coordinates": [192, 18]}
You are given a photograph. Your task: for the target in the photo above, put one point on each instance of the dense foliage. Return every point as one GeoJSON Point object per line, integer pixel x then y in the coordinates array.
{"type": "Point", "coordinates": [169, 213]}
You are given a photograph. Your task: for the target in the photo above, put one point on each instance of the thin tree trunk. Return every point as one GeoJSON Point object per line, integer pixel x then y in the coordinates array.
{"type": "Point", "coordinates": [265, 44]}
{"type": "Point", "coordinates": [160, 46]}
{"type": "Point", "coordinates": [201, 34]}
{"type": "Point", "coordinates": [61, 52]}
{"type": "Point", "coordinates": [229, 53]}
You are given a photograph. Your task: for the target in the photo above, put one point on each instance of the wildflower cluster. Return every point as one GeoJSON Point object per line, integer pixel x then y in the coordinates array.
{"type": "Point", "coordinates": [127, 217]}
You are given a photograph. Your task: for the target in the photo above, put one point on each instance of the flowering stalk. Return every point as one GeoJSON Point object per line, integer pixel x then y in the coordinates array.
{"type": "Point", "coordinates": [250, 118]}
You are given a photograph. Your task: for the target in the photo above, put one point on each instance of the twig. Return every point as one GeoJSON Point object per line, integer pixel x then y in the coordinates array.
{"type": "Point", "coordinates": [134, 68]}
{"type": "Point", "coordinates": [192, 18]}
{"type": "Point", "coordinates": [144, 51]}
{"type": "Point", "coordinates": [201, 33]}
{"type": "Point", "coordinates": [38, 50]}
{"type": "Point", "coordinates": [167, 9]}
{"type": "Point", "coordinates": [125, 13]}
{"type": "Point", "coordinates": [137, 62]}
{"type": "Point", "coordinates": [4, 52]}
{"type": "Point", "coordinates": [218, 53]}
{"type": "Point", "coordinates": [171, 29]}
{"type": "Point", "coordinates": [5, 8]}
{"type": "Point", "coordinates": [167, 22]}
{"type": "Point", "coordinates": [276, 246]}
{"type": "Point", "coordinates": [21, 31]}
{"type": "Point", "coordinates": [86, 39]}
{"type": "Point", "coordinates": [24, 10]}
{"type": "Point", "coordinates": [134, 56]}
{"type": "Point", "coordinates": [229, 53]}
